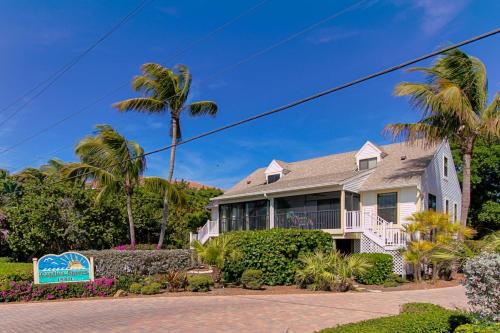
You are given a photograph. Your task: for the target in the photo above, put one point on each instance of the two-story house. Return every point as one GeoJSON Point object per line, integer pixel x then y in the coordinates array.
{"type": "Point", "coordinates": [362, 198]}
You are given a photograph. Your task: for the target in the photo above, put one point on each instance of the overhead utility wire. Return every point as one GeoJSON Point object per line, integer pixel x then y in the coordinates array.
{"type": "Point", "coordinates": [223, 70]}
{"type": "Point", "coordinates": [307, 99]}
{"type": "Point", "coordinates": [47, 83]}
{"type": "Point", "coordinates": [179, 52]}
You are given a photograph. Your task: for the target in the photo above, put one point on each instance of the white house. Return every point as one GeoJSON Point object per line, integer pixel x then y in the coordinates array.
{"type": "Point", "coordinates": [362, 198]}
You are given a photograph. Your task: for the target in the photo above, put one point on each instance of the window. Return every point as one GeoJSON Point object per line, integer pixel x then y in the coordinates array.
{"type": "Point", "coordinates": [273, 178]}
{"type": "Point", "coordinates": [447, 206]}
{"type": "Point", "coordinates": [445, 167]}
{"type": "Point", "coordinates": [387, 206]}
{"type": "Point", "coordinates": [432, 202]}
{"type": "Point", "coordinates": [367, 163]}
{"type": "Point", "coordinates": [455, 213]}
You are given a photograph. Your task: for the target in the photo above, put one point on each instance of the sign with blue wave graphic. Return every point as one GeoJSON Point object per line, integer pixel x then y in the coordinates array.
{"type": "Point", "coordinates": [66, 267]}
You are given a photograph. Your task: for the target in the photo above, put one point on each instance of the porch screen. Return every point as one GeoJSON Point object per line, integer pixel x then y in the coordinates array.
{"type": "Point", "coordinates": [387, 206]}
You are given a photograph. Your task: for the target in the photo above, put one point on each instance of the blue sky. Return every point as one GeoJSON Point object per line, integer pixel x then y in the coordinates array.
{"type": "Point", "coordinates": [37, 37]}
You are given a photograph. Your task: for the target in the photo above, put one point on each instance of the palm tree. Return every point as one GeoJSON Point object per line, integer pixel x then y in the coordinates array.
{"type": "Point", "coordinates": [112, 164]}
{"type": "Point", "coordinates": [453, 101]}
{"type": "Point", "coordinates": [166, 90]}
{"type": "Point", "coordinates": [216, 252]}
{"type": "Point", "coordinates": [170, 193]}
{"type": "Point", "coordinates": [53, 168]}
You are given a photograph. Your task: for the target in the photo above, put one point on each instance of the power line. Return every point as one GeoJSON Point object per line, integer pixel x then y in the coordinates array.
{"type": "Point", "coordinates": [177, 53]}
{"type": "Point", "coordinates": [307, 99]}
{"type": "Point", "coordinates": [53, 78]}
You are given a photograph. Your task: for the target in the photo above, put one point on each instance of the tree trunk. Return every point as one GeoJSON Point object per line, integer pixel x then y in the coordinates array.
{"type": "Point", "coordinates": [466, 183]}
{"type": "Point", "coordinates": [130, 219]}
{"type": "Point", "coordinates": [164, 220]}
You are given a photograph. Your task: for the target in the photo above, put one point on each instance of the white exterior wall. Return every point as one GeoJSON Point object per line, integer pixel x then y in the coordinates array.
{"type": "Point", "coordinates": [214, 212]}
{"type": "Point", "coordinates": [369, 150]}
{"type": "Point", "coordinates": [355, 184]}
{"type": "Point", "coordinates": [443, 188]}
{"type": "Point", "coordinates": [407, 202]}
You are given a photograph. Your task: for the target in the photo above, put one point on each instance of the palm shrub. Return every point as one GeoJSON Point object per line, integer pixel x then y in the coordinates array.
{"type": "Point", "coordinates": [454, 105]}
{"type": "Point", "coordinates": [329, 271]}
{"type": "Point", "coordinates": [112, 164]}
{"type": "Point", "coordinates": [216, 252]}
{"type": "Point", "coordinates": [432, 243]}
{"type": "Point", "coordinates": [166, 90]}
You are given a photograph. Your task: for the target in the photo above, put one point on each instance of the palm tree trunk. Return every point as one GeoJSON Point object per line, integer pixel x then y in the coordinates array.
{"type": "Point", "coordinates": [130, 220]}
{"type": "Point", "coordinates": [466, 183]}
{"type": "Point", "coordinates": [164, 220]}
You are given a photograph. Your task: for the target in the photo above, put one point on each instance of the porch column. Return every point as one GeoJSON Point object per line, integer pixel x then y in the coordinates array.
{"type": "Point", "coordinates": [271, 213]}
{"type": "Point", "coordinates": [342, 209]}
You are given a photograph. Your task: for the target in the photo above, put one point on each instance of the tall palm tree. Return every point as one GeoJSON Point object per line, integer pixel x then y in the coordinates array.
{"type": "Point", "coordinates": [170, 193]}
{"type": "Point", "coordinates": [453, 101]}
{"type": "Point", "coordinates": [53, 168]}
{"type": "Point", "coordinates": [166, 90]}
{"type": "Point", "coordinates": [112, 164]}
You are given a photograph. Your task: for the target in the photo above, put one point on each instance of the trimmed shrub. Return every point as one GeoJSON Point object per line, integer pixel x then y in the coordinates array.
{"type": "Point", "coordinates": [482, 285]}
{"type": "Point", "coordinates": [421, 318]}
{"type": "Point", "coordinates": [151, 289]}
{"type": "Point", "coordinates": [140, 262]}
{"type": "Point", "coordinates": [275, 252]}
{"type": "Point", "coordinates": [381, 270]}
{"type": "Point", "coordinates": [124, 282]}
{"type": "Point", "coordinates": [478, 328]}
{"type": "Point", "coordinates": [14, 271]}
{"type": "Point", "coordinates": [27, 291]}
{"type": "Point", "coordinates": [135, 288]}
{"type": "Point", "coordinates": [199, 283]}
{"type": "Point", "coordinates": [252, 279]}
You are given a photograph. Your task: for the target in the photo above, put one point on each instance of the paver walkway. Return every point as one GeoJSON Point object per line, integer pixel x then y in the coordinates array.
{"type": "Point", "coordinates": [260, 313]}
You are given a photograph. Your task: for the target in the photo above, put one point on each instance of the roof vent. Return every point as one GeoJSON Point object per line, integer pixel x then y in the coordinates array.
{"type": "Point", "coordinates": [403, 157]}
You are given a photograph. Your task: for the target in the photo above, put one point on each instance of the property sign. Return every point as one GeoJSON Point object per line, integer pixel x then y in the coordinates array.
{"type": "Point", "coordinates": [66, 267]}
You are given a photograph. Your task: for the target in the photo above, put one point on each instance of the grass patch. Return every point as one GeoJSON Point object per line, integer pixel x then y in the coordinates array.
{"type": "Point", "coordinates": [15, 271]}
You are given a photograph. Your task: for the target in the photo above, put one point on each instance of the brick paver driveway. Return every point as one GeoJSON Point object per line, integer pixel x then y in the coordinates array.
{"type": "Point", "coordinates": [266, 313]}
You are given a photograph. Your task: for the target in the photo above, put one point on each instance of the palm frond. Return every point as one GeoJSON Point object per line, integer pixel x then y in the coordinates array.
{"type": "Point", "coordinates": [202, 108]}
{"type": "Point", "coordinates": [141, 104]}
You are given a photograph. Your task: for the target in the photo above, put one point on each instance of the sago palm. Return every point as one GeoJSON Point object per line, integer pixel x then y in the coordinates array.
{"type": "Point", "coordinates": [216, 252]}
{"type": "Point", "coordinates": [166, 90]}
{"type": "Point", "coordinates": [453, 101]}
{"type": "Point", "coordinates": [112, 164]}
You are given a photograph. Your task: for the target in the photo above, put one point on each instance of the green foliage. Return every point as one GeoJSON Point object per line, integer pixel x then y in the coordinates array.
{"type": "Point", "coordinates": [12, 271]}
{"type": "Point", "coordinates": [114, 263]}
{"type": "Point", "coordinates": [394, 280]}
{"type": "Point", "coordinates": [135, 288]}
{"type": "Point", "coordinates": [124, 282]}
{"type": "Point", "coordinates": [275, 252]}
{"type": "Point", "coordinates": [381, 268]}
{"type": "Point", "coordinates": [176, 280]}
{"type": "Point", "coordinates": [484, 214]}
{"type": "Point", "coordinates": [478, 328]}
{"type": "Point", "coordinates": [200, 283]}
{"type": "Point", "coordinates": [152, 288]}
{"type": "Point", "coordinates": [415, 318]}
{"type": "Point", "coordinates": [252, 279]}
{"type": "Point", "coordinates": [329, 271]}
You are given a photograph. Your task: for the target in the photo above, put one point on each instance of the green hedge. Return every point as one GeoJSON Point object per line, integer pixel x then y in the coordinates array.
{"type": "Point", "coordinates": [275, 252]}
{"type": "Point", "coordinates": [478, 328]}
{"type": "Point", "coordinates": [415, 318]}
{"type": "Point", "coordinates": [14, 271]}
{"type": "Point", "coordinates": [382, 268]}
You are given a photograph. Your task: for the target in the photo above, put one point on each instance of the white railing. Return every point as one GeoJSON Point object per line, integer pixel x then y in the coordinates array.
{"type": "Point", "coordinates": [353, 220]}
{"type": "Point", "coordinates": [210, 229]}
{"type": "Point", "coordinates": [384, 233]}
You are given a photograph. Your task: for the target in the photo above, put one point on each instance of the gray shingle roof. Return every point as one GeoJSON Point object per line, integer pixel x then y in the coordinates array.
{"type": "Point", "coordinates": [391, 172]}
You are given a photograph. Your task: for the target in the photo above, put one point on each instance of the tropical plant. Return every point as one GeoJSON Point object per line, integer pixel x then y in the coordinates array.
{"type": "Point", "coordinates": [454, 106]}
{"type": "Point", "coordinates": [112, 164]}
{"type": "Point", "coordinates": [216, 252]}
{"type": "Point", "coordinates": [166, 90]}
{"type": "Point", "coordinates": [329, 271]}
{"type": "Point", "coordinates": [53, 168]}
{"type": "Point", "coordinates": [170, 193]}
{"type": "Point", "coordinates": [433, 242]}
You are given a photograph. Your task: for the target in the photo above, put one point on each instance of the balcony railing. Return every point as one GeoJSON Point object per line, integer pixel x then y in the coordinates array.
{"type": "Point", "coordinates": [325, 219]}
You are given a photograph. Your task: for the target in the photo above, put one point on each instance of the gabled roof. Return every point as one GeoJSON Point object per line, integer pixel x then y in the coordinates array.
{"type": "Point", "coordinates": [391, 172]}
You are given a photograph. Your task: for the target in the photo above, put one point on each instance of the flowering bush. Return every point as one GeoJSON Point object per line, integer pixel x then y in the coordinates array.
{"type": "Point", "coordinates": [482, 284]}
{"type": "Point", "coordinates": [27, 291]}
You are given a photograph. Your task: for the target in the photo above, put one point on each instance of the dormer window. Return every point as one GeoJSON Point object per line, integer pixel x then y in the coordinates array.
{"type": "Point", "coordinates": [367, 163]}
{"type": "Point", "coordinates": [445, 167]}
{"type": "Point", "coordinates": [273, 178]}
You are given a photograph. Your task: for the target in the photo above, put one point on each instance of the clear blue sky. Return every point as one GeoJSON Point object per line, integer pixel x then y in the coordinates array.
{"type": "Point", "coordinates": [37, 37]}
